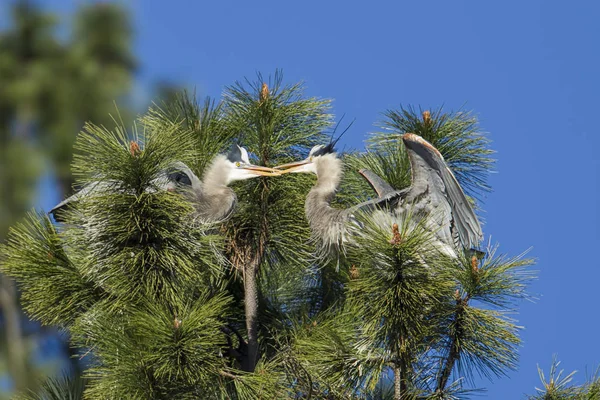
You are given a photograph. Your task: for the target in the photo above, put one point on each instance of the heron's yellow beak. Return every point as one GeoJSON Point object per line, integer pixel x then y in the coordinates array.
{"type": "Point", "coordinates": [296, 166]}
{"type": "Point", "coordinates": [262, 171]}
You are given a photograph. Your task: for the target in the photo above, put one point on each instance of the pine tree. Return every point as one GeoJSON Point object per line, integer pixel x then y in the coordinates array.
{"type": "Point", "coordinates": [169, 308]}
{"type": "Point", "coordinates": [48, 88]}
{"type": "Point", "coordinates": [559, 387]}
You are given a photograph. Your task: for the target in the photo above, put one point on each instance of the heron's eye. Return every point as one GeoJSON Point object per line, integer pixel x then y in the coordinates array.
{"type": "Point", "coordinates": [237, 164]}
{"type": "Point", "coordinates": [310, 158]}
{"type": "Point", "coordinates": [181, 178]}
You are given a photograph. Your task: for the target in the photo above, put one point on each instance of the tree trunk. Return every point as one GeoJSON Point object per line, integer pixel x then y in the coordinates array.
{"type": "Point", "coordinates": [454, 352]}
{"type": "Point", "coordinates": [398, 392]}
{"type": "Point", "coordinates": [14, 336]}
{"type": "Point", "coordinates": [251, 308]}
{"type": "Point", "coordinates": [448, 366]}
{"type": "Point", "coordinates": [252, 260]}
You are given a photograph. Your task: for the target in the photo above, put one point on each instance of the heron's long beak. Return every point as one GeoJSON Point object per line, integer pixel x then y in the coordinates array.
{"type": "Point", "coordinates": [296, 166]}
{"type": "Point", "coordinates": [262, 171]}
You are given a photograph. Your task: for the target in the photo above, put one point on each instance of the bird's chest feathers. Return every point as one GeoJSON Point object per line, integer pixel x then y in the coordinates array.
{"type": "Point", "coordinates": [217, 202]}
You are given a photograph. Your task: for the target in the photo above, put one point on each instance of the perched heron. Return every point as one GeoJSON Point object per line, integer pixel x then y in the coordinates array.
{"type": "Point", "coordinates": [434, 192]}
{"type": "Point", "coordinates": [328, 224]}
{"type": "Point", "coordinates": [213, 200]}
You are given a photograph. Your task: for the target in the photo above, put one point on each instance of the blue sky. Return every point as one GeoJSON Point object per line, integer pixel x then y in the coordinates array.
{"type": "Point", "coordinates": [529, 70]}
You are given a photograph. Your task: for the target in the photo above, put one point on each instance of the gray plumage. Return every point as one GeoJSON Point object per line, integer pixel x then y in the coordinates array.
{"type": "Point", "coordinates": [434, 193]}
{"type": "Point", "coordinates": [381, 187]}
{"type": "Point", "coordinates": [327, 224]}
{"type": "Point", "coordinates": [213, 200]}
{"type": "Point", "coordinates": [91, 189]}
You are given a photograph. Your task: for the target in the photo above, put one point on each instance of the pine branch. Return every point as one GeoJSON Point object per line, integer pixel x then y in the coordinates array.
{"type": "Point", "coordinates": [205, 122]}
{"type": "Point", "coordinates": [61, 388]}
{"type": "Point", "coordinates": [275, 123]}
{"type": "Point", "coordinates": [408, 275]}
{"type": "Point", "coordinates": [160, 302]}
{"type": "Point", "coordinates": [557, 387]}
{"type": "Point", "coordinates": [498, 281]}
{"type": "Point", "coordinates": [55, 291]}
{"type": "Point", "coordinates": [337, 354]}
{"type": "Point", "coordinates": [456, 135]}
{"type": "Point", "coordinates": [155, 350]}
{"type": "Point", "coordinates": [454, 345]}
{"type": "Point", "coordinates": [264, 383]}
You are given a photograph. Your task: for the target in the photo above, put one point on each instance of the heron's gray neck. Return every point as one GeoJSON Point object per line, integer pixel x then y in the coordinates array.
{"type": "Point", "coordinates": [329, 173]}
{"type": "Point", "coordinates": [327, 223]}
{"type": "Point", "coordinates": [217, 199]}
{"type": "Point", "coordinates": [217, 174]}
{"type": "Point", "coordinates": [422, 173]}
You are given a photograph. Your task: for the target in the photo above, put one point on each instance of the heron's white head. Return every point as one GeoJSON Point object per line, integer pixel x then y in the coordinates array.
{"type": "Point", "coordinates": [310, 164]}
{"type": "Point", "coordinates": [237, 166]}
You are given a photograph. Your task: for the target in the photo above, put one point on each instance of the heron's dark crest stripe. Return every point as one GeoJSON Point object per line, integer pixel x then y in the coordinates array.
{"type": "Point", "coordinates": [329, 148]}
{"type": "Point", "coordinates": [235, 154]}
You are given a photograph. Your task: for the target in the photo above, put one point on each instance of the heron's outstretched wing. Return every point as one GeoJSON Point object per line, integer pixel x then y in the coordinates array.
{"type": "Point", "coordinates": [389, 202]}
{"type": "Point", "coordinates": [91, 189]}
{"type": "Point", "coordinates": [177, 176]}
{"type": "Point", "coordinates": [466, 222]}
{"type": "Point", "coordinates": [379, 185]}
{"type": "Point", "coordinates": [442, 197]}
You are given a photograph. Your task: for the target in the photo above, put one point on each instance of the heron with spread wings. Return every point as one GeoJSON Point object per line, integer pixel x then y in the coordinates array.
{"type": "Point", "coordinates": [213, 200]}
{"type": "Point", "coordinates": [434, 192]}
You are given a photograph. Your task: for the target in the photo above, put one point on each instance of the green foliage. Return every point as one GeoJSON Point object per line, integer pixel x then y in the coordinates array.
{"type": "Point", "coordinates": [128, 263]}
{"type": "Point", "coordinates": [148, 234]}
{"type": "Point", "coordinates": [50, 85]}
{"type": "Point", "coordinates": [158, 351]}
{"type": "Point", "coordinates": [338, 354]}
{"type": "Point", "coordinates": [60, 85]}
{"type": "Point", "coordinates": [265, 383]}
{"type": "Point", "coordinates": [54, 290]}
{"type": "Point", "coordinates": [282, 124]}
{"type": "Point", "coordinates": [163, 305]}
{"type": "Point", "coordinates": [20, 165]}
{"type": "Point", "coordinates": [62, 388]}
{"type": "Point", "coordinates": [397, 287]}
{"type": "Point", "coordinates": [204, 122]}
{"type": "Point", "coordinates": [279, 128]}
{"type": "Point", "coordinates": [559, 387]}
{"type": "Point", "coordinates": [456, 135]}
{"type": "Point", "coordinates": [498, 282]}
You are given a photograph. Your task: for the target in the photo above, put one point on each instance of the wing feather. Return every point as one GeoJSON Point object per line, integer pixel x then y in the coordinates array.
{"type": "Point", "coordinates": [91, 189]}
{"type": "Point", "coordinates": [379, 185]}
{"type": "Point", "coordinates": [466, 222]}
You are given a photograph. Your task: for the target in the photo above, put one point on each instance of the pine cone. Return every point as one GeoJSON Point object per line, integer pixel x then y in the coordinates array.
{"type": "Point", "coordinates": [474, 264]}
{"type": "Point", "coordinates": [427, 118]}
{"type": "Point", "coordinates": [354, 274]}
{"type": "Point", "coordinates": [264, 92]}
{"type": "Point", "coordinates": [134, 148]}
{"type": "Point", "coordinates": [177, 323]}
{"type": "Point", "coordinates": [396, 238]}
